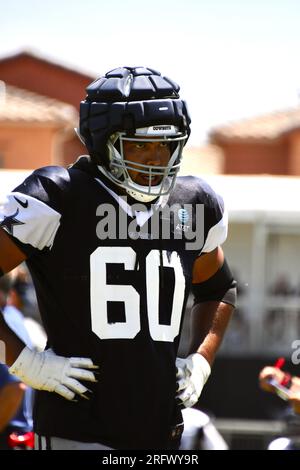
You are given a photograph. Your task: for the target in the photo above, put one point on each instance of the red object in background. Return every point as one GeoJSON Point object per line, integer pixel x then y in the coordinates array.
{"type": "Point", "coordinates": [286, 381]}
{"type": "Point", "coordinates": [21, 441]}
{"type": "Point", "coordinates": [279, 363]}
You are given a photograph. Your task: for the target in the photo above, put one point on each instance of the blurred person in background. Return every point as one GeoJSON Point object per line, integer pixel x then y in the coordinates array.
{"type": "Point", "coordinates": [274, 380]}
{"type": "Point", "coordinates": [22, 293]}
{"type": "Point", "coordinates": [15, 396]}
{"type": "Point", "coordinates": [15, 412]}
{"type": "Point", "coordinates": [292, 383]}
{"type": "Point", "coordinates": [22, 297]}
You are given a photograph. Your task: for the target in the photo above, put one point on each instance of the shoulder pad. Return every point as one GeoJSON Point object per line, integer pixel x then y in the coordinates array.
{"type": "Point", "coordinates": [49, 184]}
{"type": "Point", "coordinates": [189, 189]}
{"type": "Point", "coordinates": [57, 174]}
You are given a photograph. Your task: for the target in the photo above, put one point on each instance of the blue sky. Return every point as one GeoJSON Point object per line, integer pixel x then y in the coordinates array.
{"type": "Point", "coordinates": [233, 59]}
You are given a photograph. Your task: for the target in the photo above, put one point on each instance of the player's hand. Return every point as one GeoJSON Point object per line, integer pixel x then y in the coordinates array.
{"type": "Point", "coordinates": [268, 373]}
{"type": "Point", "coordinates": [192, 374]}
{"type": "Point", "coordinates": [47, 371]}
{"type": "Point", "coordinates": [294, 399]}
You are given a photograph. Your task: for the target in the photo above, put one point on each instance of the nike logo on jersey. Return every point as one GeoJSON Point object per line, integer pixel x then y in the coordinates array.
{"type": "Point", "coordinates": [22, 203]}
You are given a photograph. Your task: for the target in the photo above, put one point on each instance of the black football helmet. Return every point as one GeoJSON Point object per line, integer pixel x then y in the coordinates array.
{"type": "Point", "coordinates": [134, 103]}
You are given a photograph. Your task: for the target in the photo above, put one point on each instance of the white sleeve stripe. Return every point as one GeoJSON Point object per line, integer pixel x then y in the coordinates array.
{"type": "Point", "coordinates": [216, 235]}
{"type": "Point", "coordinates": [37, 223]}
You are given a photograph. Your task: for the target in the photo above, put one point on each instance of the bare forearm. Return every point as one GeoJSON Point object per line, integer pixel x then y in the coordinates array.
{"type": "Point", "coordinates": [12, 343]}
{"type": "Point", "coordinates": [209, 321]}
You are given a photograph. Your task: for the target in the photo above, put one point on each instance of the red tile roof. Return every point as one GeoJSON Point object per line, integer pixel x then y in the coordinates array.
{"type": "Point", "coordinates": [19, 105]}
{"type": "Point", "coordinates": [35, 55]}
{"type": "Point", "coordinates": [265, 127]}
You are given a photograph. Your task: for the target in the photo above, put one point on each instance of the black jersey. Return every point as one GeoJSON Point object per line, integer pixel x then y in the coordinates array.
{"type": "Point", "coordinates": [117, 299]}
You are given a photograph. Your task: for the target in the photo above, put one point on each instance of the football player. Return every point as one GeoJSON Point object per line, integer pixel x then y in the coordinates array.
{"type": "Point", "coordinates": [115, 244]}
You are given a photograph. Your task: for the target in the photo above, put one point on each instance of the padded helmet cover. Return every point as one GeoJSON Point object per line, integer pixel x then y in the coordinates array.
{"type": "Point", "coordinates": [125, 99]}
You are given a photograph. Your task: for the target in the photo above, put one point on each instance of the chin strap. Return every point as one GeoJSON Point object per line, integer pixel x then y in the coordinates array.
{"type": "Point", "coordinates": [141, 197]}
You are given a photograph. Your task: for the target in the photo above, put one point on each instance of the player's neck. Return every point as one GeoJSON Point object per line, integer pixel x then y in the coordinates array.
{"type": "Point", "coordinates": [122, 192]}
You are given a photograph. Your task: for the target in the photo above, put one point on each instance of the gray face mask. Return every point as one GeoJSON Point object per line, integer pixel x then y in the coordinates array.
{"type": "Point", "coordinates": [119, 166]}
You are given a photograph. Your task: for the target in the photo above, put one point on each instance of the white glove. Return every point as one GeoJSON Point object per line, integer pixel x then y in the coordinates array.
{"type": "Point", "coordinates": [47, 371]}
{"type": "Point", "coordinates": [192, 374]}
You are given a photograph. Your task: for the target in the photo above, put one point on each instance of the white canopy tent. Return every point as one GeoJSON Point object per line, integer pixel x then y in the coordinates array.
{"type": "Point", "coordinates": [265, 197]}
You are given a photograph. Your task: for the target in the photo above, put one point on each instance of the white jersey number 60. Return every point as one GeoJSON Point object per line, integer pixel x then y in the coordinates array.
{"type": "Point", "coordinates": [101, 293]}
